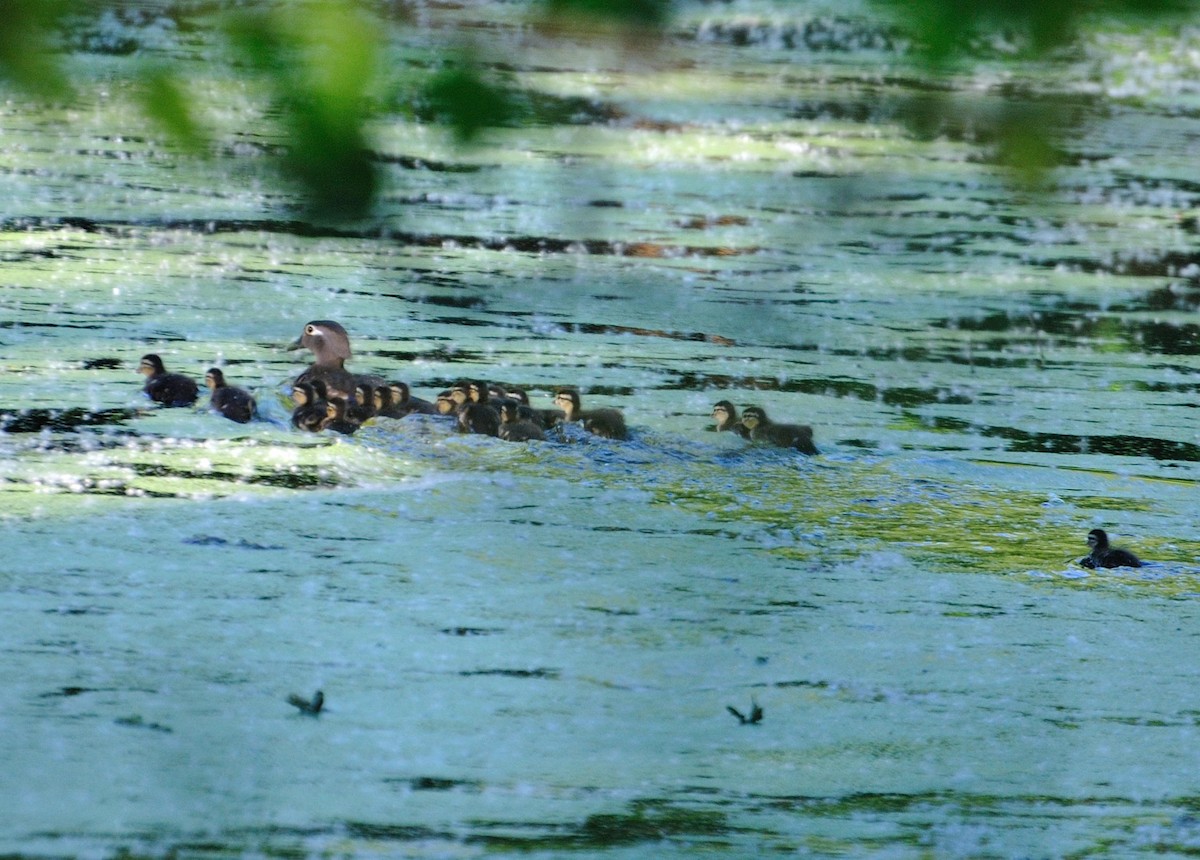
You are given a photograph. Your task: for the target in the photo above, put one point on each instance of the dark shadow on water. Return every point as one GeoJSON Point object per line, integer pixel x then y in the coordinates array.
{"type": "Point", "coordinates": [1023, 441]}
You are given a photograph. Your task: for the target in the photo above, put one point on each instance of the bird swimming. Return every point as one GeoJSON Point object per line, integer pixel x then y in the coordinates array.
{"type": "Point", "coordinates": [336, 418]}
{"type": "Point", "coordinates": [311, 707]}
{"type": "Point", "coordinates": [763, 429]}
{"type": "Point", "coordinates": [330, 346]}
{"type": "Point", "coordinates": [514, 427]}
{"type": "Point", "coordinates": [1103, 555]}
{"type": "Point", "coordinates": [169, 389]}
{"type": "Point", "coordinates": [236, 404]}
{"type": "Point", "coordinates": [755, 717]}
{"type": "Point", "coordinates": [725, 415]}
{"type": "Point", "coordinates": [609, 423]}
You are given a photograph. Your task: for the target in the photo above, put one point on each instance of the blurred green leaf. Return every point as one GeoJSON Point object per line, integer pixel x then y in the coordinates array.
{"type": "Point", "coordinates": [635, 13]}
{"type": "Point", "coordinates": [461, 98]}
{"type": "Point", "coordinates": [165, 102]}
{"type": "Point", "coordinates": [320, 59]}
{"type": "Point", "coordinates": [25, 53]}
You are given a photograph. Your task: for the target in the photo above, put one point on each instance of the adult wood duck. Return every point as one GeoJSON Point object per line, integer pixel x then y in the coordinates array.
{"type": "Point", "coordinates": [330, 346]}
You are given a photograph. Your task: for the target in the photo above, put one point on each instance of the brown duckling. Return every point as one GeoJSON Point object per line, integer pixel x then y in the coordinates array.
{"type": "Point", "coordinates": [514, 427]}
{"type": "Point", "coordinates": [310, 411]}
{"type": "Point", "coordinates": [445, 404]}
{"type": "Point", "coordinates": [763, 429]}
{"type": "Point", "coordinates": [609, 423]}
{"type": "Point", "coordinates": [236, 404]}
{"type": "Point", "coordinates": [1103, 555]}
{"type": "Point", "coordinates": [725, 415]}
{"type": "Point", "coordinates": [336, 417]}
{"type": "Point", "coordinates": [402, 399]}
{"type": "Point", "coordinates": [363, 407]}
{"type": "Point", "coordinates": [169, 389]}
{"type": "Point", "coordinates": [309, 707]}
{"type": "Point", "coordinates": [478, 418]}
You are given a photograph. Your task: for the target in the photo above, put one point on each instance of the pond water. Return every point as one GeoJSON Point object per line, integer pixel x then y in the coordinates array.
{"type": "Point", "coordinates": [531, 648]}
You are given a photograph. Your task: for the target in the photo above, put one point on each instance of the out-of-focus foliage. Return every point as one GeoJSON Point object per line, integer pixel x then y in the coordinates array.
{"type": "Point", "coordinates": [320, 59]}
{"type": "Point", "coordinates": [25, 56]}
{"type": "Point", "coordinates": [321, 62]}
{"type": "Point", "coordinates": [462, 98]}
{"type": "Point", "coordinates": [621, 13]}
{"type": "Point", "coordinates": [945, 29]}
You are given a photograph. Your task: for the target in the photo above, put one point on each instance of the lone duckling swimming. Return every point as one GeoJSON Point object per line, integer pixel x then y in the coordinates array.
{"type": "Point", "coordinates": [725, 415]}
{"type": "Point", "coordinates": [169, 389]}
{"type": "Point", "coordinates": [1103, 555]}
{"type": "Point", "coordinates": [236, 404]}
{"type": "Point", "coordinates": [763, 429]}
{"type": "Point", "coordinates": [310, 707]}
{"type": "Point", "coordinates": [609, 423]}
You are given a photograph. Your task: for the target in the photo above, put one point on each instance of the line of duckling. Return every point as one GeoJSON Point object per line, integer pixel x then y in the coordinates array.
{"type": "Point", "coordinates": [328, 396]}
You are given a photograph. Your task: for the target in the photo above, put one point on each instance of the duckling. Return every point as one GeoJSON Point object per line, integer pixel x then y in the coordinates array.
{"type": "Point", "coordinates": [402, 399]}
{"type": "Point", "coordinates": [609, 423]}
{"type": "Point", "coordinates": [763, 429]}
{"type": "Point", "coordinates": [336, 418]}
{"type": "Point", "coordinates": [1103, 555]}
{"type": "Point", "coordinates": [330, 344]}
{"type": "Point", "coordinates": [309, 707]}
{"type": "Point", "coordinates": [236, 404]}
{"type": "Point", "coordinates": [169, 389]}
{"type": "Point", "coordinates": [513, 427]}
{"type": "Point", "coordinates": [726, 416]}
{"type": "Point", "coordinates": [445, 404]}
{"type": "Point", "coordinates": [478, 418]}
{"type": "Point", "coordinates": [310, 409]}
{"type": "Point", "coordinates": [363, 407]}
{"type": "Point", "coordinates": [756, 714]}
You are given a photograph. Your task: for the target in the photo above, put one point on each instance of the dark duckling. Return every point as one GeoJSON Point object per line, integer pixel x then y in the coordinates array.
{"type": "Point", "coordinates": [725, 415]}
{"type": "Point", "coordinates": [755, 717]}
{"type": "Point", "coordinates": [236, 404]}
{"type": "Point", "coordinates": [336, 418]}
{"type": "Point", "coordinates": [1103, 555]}
{"type": "Point", "coordinates": [385, 404]}
{"type": "Point", "coordinates": [609, 423]}
{"type": "Point", "coordinates": [763, 429]}
{"type": "Point", "coordinates": [402, 399]}
{"type": "Point", "coordinates": [514, 427]}
{"type": "Point", "coordinates": [309, 707]}
{"type": "Point", "coordinates": [169, 389]}
{"type": "Point", "coordinates": [310, 409]}
{"type": "Point", "coordinates": [363, 407]}
{"type": "Point", "coordinates": [445, 404]}
{"type": "Point", "coordinates": [479, 418]}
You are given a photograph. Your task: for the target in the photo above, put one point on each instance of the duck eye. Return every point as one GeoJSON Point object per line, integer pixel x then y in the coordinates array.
{"type": "Point", "coordinates": [310, 329]}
